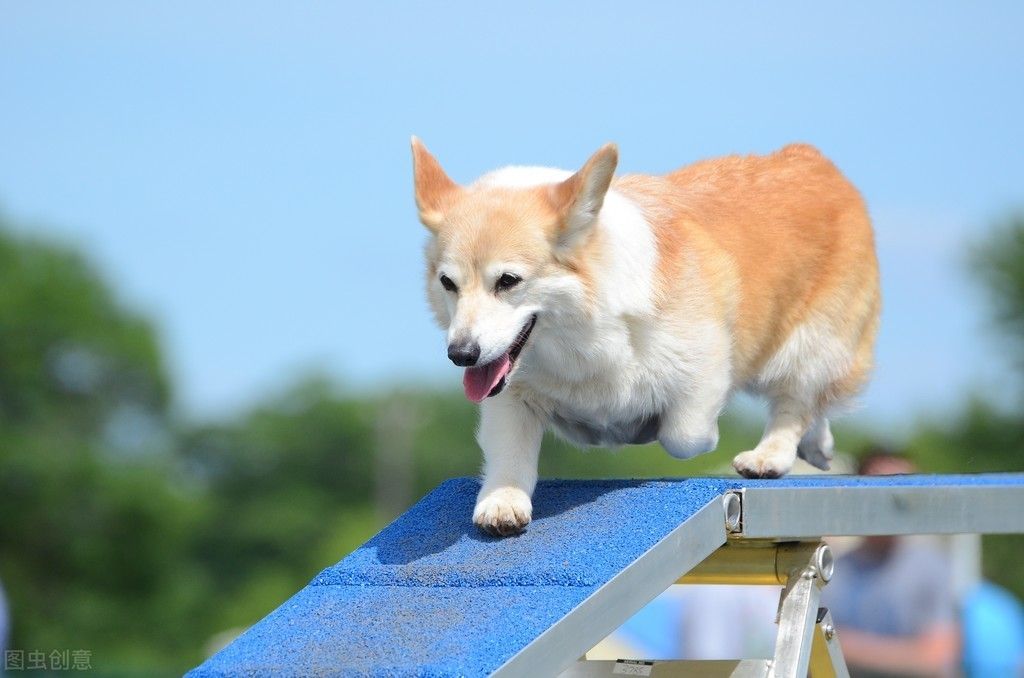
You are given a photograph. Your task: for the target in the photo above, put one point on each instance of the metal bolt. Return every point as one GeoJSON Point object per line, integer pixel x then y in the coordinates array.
{"type": "Point", "coordinates": [829, 631]}
{"type": "Point", "coordinates": [733, 505]}
{"type": "Point", "coordinates": [824, 562]}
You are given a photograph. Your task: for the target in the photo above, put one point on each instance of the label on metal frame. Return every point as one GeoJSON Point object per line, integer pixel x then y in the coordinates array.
{"type": "Point", "coordinates": [632, 667]}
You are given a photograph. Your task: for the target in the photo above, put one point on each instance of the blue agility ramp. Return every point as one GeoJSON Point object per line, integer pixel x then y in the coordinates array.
{"type": "Point", "coordinates": [431, 596]}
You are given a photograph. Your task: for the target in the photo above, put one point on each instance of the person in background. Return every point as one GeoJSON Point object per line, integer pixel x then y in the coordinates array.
{"type": "Point", "coordinates": [892, 599]}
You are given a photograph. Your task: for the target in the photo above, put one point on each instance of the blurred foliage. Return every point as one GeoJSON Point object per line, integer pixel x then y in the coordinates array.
{"type": "Point", "coordinates": [140, 537]}
{"type": "Point", "coordinates": [90, 515]}
{"type": "Point", "coordinates": [70, 353]}
{"type": "Point", "coordinates": [988, 436]}
{"type": "Point", "coordinates": [998, 262]}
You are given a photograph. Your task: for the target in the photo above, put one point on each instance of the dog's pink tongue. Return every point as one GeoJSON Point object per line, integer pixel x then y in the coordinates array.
{"type": "Point", "coordinates": [479, 381]}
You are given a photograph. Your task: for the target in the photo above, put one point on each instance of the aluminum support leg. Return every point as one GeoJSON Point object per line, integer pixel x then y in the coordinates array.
{"type": "Point", "coordinates": [798, 614]}
{"type": "Point", "coordinates": [826, 656]}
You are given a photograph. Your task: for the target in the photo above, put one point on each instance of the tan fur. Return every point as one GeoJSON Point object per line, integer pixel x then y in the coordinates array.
{"type": "Point", "coordinates": [777, 239]}
{"type": "Point", "coordinates": [646, 301]}
{"type": "Point", "coordinates": [435, 192]}
{"type": "Point", "coordinates": [780, 237]}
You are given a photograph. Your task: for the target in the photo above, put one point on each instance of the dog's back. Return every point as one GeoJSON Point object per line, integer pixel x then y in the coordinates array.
{"type": "Point", "coordinates": [785, 242]}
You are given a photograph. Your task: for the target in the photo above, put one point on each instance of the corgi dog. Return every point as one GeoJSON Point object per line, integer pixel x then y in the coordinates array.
{"type": "Point", "coordinates": [626, 310]}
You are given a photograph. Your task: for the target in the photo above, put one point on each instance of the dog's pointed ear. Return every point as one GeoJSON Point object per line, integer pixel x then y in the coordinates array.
{"type": "Point", "coordinates": [579, 198]}
{"type": "Point", "coordinates": [433, 189]}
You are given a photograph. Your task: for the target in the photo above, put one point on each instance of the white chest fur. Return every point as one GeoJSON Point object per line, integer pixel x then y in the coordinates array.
{"type": "Point", "coordinates": [602, 366]}
{"type": "Point", "coordinates": [603, 373]}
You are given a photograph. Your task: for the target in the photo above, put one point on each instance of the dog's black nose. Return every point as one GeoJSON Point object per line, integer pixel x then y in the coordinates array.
{"type": "Point", "coordinates": [464, 354]}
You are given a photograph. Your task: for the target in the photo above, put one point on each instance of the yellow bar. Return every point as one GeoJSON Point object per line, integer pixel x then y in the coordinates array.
{"type": "Point", "coordinates": [751, 563]}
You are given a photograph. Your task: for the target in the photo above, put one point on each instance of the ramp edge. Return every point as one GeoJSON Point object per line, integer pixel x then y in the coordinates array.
{"type": "Point", "coordinates": [562, 644]}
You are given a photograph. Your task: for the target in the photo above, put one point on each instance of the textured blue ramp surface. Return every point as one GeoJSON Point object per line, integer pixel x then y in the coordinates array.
{"type": "Point", "coordinates": [378, 631]}
{"type": "Point", "coordinates": [430, 596]}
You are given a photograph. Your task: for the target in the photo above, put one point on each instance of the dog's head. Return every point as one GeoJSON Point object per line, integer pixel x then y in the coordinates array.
{"type": "Point", "coordinates": [505, 253]}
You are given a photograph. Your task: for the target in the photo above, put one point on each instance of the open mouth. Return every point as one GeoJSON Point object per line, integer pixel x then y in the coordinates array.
{"type": "Point", "coordinates": [484, 381]}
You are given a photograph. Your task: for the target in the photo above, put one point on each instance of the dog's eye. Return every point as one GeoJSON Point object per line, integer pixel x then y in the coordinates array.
{"type": "Point", "coordinates": [507, 281]}
{"type": "Point", "coordinates": [447, 283]}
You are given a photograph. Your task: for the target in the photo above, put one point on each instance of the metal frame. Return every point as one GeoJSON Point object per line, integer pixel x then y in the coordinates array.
{"type": "Point", "coordinates": [747, 537]}
{"type": "Point", "coordinates": [826, 655]}
{"type": "Point", "coordinates": [799, 615]}
{"type": "Point", "coordinates": [806, 636]}
{"type": "Point", "coordinates": [727, 668]}
{"type": "Point", "coordinates": [621, 597]}
{"type": "Point", "coordinates": [811, 512]}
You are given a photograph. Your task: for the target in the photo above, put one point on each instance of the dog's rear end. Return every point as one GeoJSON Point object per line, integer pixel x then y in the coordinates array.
{"type": "Point", "coordinates": [786, 245]}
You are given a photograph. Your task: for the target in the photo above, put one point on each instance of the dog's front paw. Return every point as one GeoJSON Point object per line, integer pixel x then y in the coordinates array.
{"type": "Point", "coordinates": [766, 461]}
{"type": "Point", "coordinates": [503, 512]}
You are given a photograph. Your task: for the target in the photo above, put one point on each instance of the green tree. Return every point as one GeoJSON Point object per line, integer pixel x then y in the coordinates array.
{"type": "Point", "coordinates": [987, 436]}
{"type": "Point", "coordinates": [285, 483]}
{"type": "Point", "coordinates": [998, 263]}
{"type": "Point", "coordinates": [90, 527]}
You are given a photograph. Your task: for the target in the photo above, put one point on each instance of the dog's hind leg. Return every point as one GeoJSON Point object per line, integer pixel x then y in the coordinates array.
{"type": "Point", "coordinates": [773, 457]}
{"type": "Point", "coordinates": [802, 379]}
{"type": "Point", "coordinates": [817, 444]}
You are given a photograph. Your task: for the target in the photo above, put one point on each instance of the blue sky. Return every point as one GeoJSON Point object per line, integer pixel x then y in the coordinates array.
{"type": "Point", "coordinates": [242, 170]}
